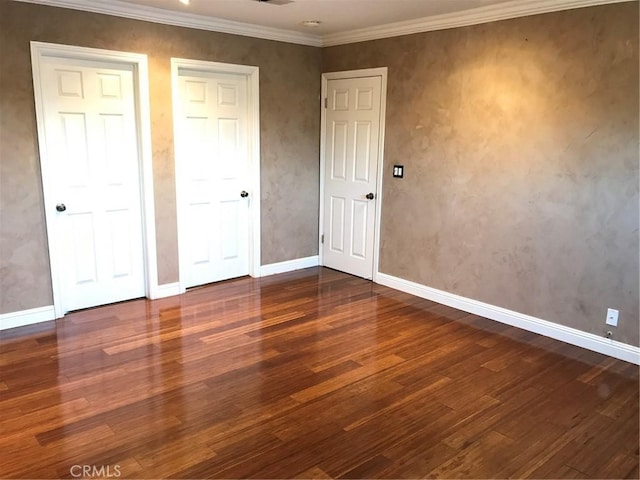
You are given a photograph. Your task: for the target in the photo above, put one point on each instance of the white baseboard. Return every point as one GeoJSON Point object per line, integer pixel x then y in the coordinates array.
{"type": "Point", "coordinates": [44, 314]}
{"type": "Point", "coordinates": [27, 317]}
{"type": "Point", "coordinates": [570, 335]}
{"type": "Point", "coordinates": [289, 266]}
{"type": "Point", "coordinates": [166, 290]}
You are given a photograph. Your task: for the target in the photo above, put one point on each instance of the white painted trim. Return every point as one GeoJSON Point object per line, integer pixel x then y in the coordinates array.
{"type": "Point", "coordinates": [364, 72]}
{"type": "Point", "coordinates": [323, 138]}
{"type": "Point", "coordinates": [138, 61]}
{"type": "Point", "coordinates": [146, 177]}
{"type": "Point", "coordinates": [166, 290]}
{"type": "Point", "coordinates": [27, 317]}
{"type": "Point", "coordinates": [252, 74]}
{"type": "Point", "coordinates": [622, 351]}
{"type": "Point", "coordinates": [381, 140]}
{"type": "Point", "coordinates": [475, 16]}
{"type": "Point", "coordinates": [255, 200]}
{"type": "Point", "coordinates": [181, 19]}
{"type": "Point", "coordinates": [367, 72]}
{"type": "Point", "coordinates": [289, 266]}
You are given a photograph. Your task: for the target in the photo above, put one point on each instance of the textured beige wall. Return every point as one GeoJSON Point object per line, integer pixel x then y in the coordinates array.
{"type": "Point", "coordinates": [520, 145]}
{"type": "Point", "coordinates": [289, 89]}
{"type": "Point", "coordinates": [520, 141]}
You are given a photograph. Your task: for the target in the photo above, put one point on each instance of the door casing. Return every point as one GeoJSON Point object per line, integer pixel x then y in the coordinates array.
{"type": "Point", "coordinates": [253, 123]}
{"type": "Point", "coordinates": [139, 63]}
{"type": "Point", "coordinates": [369, 72]}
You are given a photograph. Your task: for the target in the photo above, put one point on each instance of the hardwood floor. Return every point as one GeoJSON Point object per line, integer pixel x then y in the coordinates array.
{"type": "Point", "coordinates": [310, 374]}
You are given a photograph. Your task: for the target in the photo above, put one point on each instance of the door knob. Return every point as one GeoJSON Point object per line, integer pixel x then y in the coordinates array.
{"type": "Point", "coordinates": [244, 194]}
{"type": "Point", "coordinates": [61, 207]}
{"type": "Point", "coordinates": [370, 196]}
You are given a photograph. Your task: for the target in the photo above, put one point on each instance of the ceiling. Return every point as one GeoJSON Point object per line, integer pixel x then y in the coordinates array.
{"type": "Point", "coordinates": [335, 15]}
{"type": "Point", "coordinates": [341, 21]}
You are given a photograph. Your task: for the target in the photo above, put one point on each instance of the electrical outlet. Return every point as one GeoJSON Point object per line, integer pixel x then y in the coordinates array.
{"type": "Point", "coordinates": [612, 317]}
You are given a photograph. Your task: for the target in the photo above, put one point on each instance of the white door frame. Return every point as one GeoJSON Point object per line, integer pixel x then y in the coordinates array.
{"type": "Point", "coordinates": [40, 50]}
{"type": "Point", "coordinates": [368, 72]}
{"type": "Point", "coordinates": [253, 124]}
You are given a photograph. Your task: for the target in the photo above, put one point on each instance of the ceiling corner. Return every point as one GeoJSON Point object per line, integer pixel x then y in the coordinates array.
{"type": "Point", "coordinates": [476, 16]}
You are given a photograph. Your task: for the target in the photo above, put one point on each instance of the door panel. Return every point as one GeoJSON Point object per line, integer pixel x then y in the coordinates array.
{"type": "Point", "coordinates": [229, 229]}
{"type": "Point", "coordinates": [359, 228]}
{"type": "Point", "coordinates": [339, 151]}
{"type": "Point", "coordinates": [91, 141]}
{"type": "Point", "coordinates": [362, 152]}
{"type": "Point", "coordinates": [81, 233]}
{"type": "Point", "coordinates": [336, 230]}
{"type": "Point", "coordinates": [212, 162]}
{"type": "Point", "coordinates": [364, 98]}
{"type": "Point", "coordinates": [120, 232]}
{"type": "Point", "coordinates": [351, 165]}
{"type": "Point", "coordinates": [199, 252]}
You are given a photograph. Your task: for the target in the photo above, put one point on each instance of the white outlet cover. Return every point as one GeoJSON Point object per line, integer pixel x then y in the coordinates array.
{"type": "Point", "coordinates": [612, 317]}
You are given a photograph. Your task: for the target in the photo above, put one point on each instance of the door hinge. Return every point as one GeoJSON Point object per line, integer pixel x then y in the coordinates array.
{"type": "Point", "coordinates": [326, 102]}
{"type": "Point", "coordinates": [322, 238]}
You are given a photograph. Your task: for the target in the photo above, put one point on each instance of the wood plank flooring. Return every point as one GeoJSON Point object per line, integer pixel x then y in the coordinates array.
{"type": "Point", "coordinates": [309, 374]}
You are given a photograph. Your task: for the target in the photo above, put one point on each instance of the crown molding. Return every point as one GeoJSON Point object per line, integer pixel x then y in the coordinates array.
{"type": "Point", "coordinates": [475, 16]}
{"type": "Point", "coordinates": [491, 13]}
{"type": "Point", "coordinates": [180, 19]}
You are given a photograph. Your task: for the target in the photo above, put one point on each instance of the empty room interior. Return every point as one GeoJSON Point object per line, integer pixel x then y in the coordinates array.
{"type": "Point", "coordinates": [319, 239]}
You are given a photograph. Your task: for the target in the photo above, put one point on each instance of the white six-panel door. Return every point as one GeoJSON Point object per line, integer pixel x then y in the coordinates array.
{"type": "Point", "coordinates": [351, 154]}
{"type": "Point", "coordinates": [92, 152]}
{"type": "Point", "coordinates": [212, 168]}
